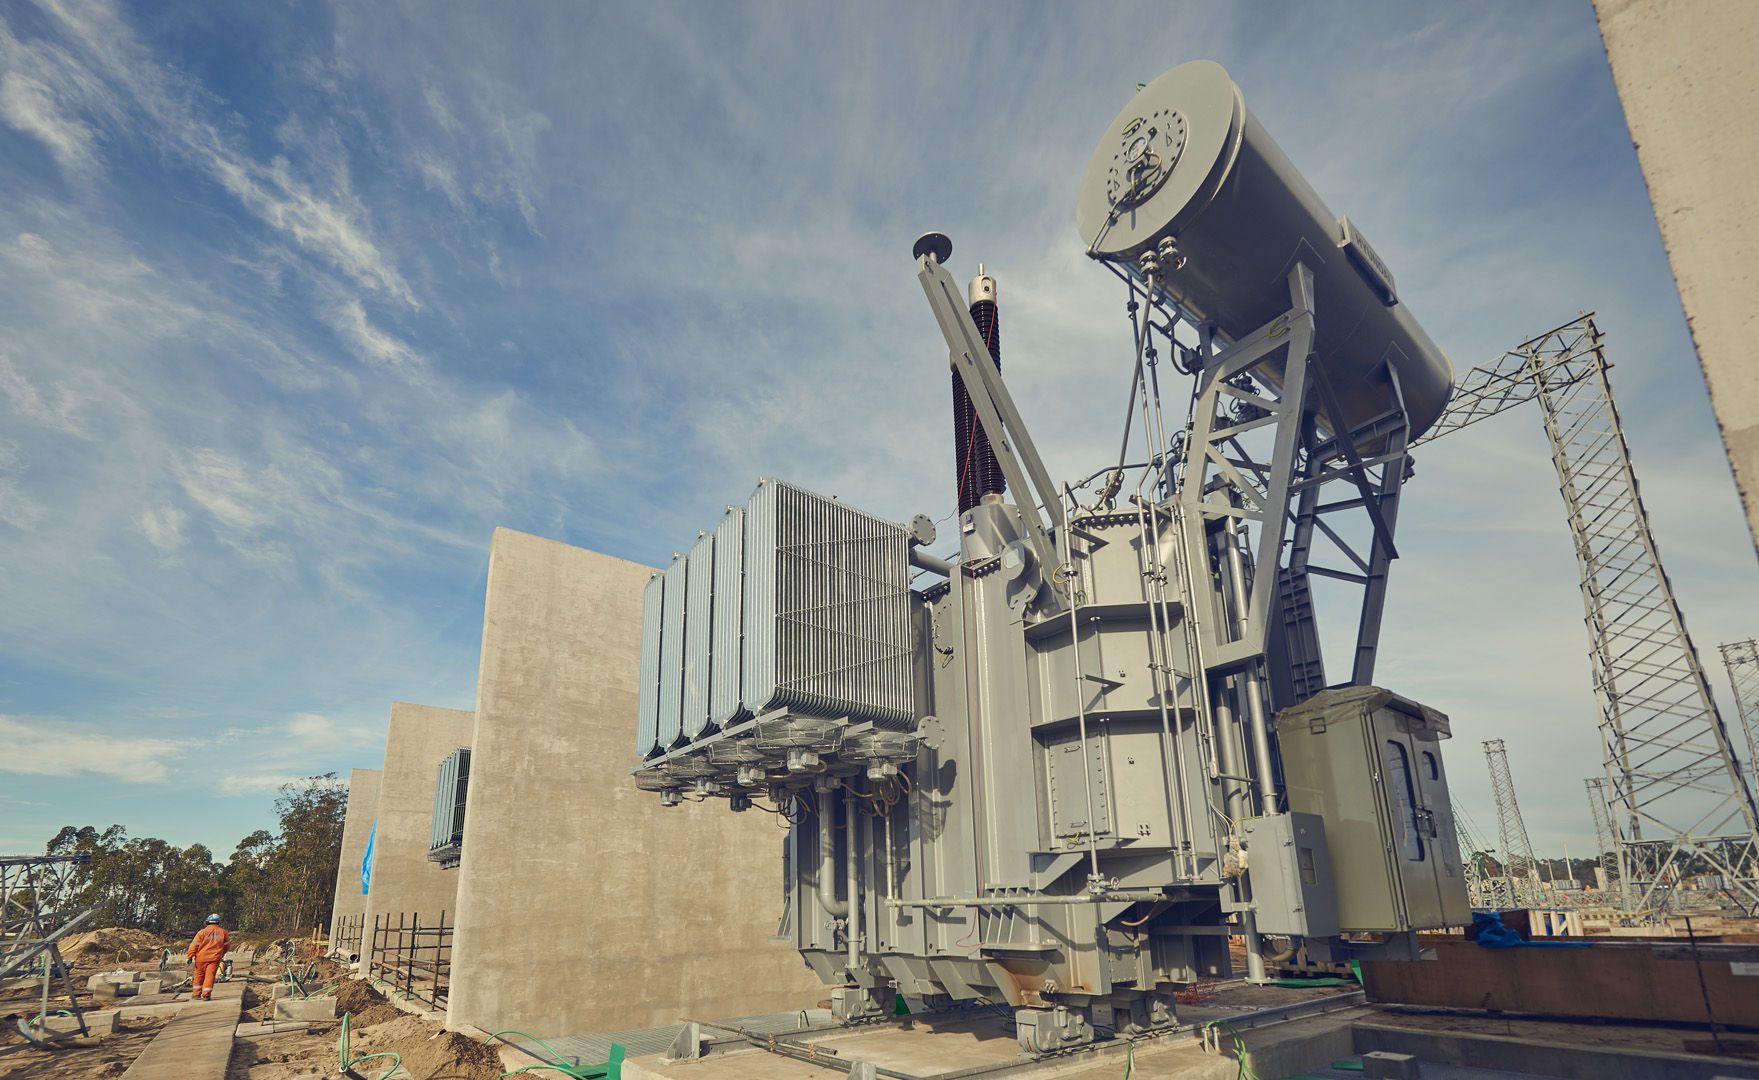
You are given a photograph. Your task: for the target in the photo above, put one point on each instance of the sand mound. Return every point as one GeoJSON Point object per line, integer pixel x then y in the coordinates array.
{"type": "Point", "coordinates": [356, 996]}
{"type": "Point", "coordinates": [110, 939]}
{"type": "Point", "coordinates": [451, 1056]}
{"type": "Point", "coordinates": [375, 1014]}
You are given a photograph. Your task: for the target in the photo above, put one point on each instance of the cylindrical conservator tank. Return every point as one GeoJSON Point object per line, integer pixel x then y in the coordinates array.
{"type": "Point", "coordinates": [1187, 159]}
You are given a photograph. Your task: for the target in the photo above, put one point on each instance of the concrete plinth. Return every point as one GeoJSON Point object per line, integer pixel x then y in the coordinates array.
{"type": "Point", "coordinates": [317, 1008]}
{"type": "Point", "coordinates": [404, 882]}
{"type": "Point", "coordinates": [363, 810]}
{"type": "Point", "coordinates": [1684, 71]}
{"type": "Point", "coordinates": [97, 1023]}
{"type": "Point", "coordinates": [583, 905]}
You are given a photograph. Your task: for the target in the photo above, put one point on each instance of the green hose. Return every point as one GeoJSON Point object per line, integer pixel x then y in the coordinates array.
{"type": "Point", "coordinates": [609, 1069]}
{"type": "Point", "coordinates": [1244, 1072]}
{"type": "Point", "coordinates": [348, 1063]}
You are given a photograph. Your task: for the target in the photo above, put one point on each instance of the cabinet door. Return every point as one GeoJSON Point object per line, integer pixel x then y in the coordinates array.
{"type": "Point", "coordinates": [1453, 908]}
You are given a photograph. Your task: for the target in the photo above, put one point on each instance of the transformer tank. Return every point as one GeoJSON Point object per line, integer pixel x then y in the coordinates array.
{"type": "Point", "coordinates": [1059, 770]}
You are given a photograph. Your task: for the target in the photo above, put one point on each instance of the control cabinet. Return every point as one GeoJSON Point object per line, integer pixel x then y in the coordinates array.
{"type": "Point", "coordinates": [1368, 762]}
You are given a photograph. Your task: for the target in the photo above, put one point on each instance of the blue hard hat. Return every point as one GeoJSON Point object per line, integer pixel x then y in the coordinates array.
{"type": "Point", "coordinates": [213, 918]}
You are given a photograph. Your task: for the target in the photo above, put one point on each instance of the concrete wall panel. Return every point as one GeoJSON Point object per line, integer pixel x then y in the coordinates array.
{"type": "Point", "coordinates": [583, 904]}
{"type": "Point", "coordinates": [404, 882]}
{"type": "Point", "coordinates": [1685, 74]}
{"type": "Point", "coordinates": [363, 808]}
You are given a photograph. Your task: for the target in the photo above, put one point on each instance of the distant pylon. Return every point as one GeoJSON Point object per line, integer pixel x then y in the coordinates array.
{"type": "Point", "coordinates": [1517, 850]}
{"type": "Point", "coordinates": [1483, 888]}
{"type": "Point", "coordinates": [1741, 658]}
{"type": "Point", "coordinates": [1605, 838]}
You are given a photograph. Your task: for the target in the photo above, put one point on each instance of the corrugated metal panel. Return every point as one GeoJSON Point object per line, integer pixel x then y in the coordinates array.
{"type": "Point", "coordinates": [698, 627]}
{"type": "Point", "coordinates": [671, 721]}
{"type": "Point", "coordinates": [451, 783]}
{"type": "Point", "coordinates": [725, 705]}
{"type": "Point", "coordinates": [827, 609]}
{"type": "Point", "coordinates": [647, 698]}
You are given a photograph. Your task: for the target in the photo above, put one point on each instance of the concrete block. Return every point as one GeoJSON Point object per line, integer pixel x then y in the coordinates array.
{"type": "Point", "coordinates": [1684, 76]}
{"type": "Point", "coordinates": [674, 907]}
{"type": "Point", "coordinates": [404, 882]}
{"type": "Point", "coordinates": [147, 987]}
{"type": "Point", "coordinates": [363, 810]}
{"type": "Point", "coordinates": [102, 1022]}
{"type": "Point", "coordinates": [318, 1008]}
{"type": "Point", "coordinates": [112, 985]}
{"type": "Point", "coordinates": [1386, 1065]}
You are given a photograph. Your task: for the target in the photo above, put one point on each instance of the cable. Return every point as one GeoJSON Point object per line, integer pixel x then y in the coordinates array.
{"type": "Point", "coordinates": [347, 1064]}
{"type": "Point", "coordinates": [1245, 1072]}
{"type": "Point", "coordinates": [609, 1069]}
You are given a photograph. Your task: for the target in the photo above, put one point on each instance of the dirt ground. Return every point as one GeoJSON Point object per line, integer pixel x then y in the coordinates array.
{"type": "Point", "coordinates": [79, 1059]}
{"type": "Point", "coordinates": [426, 1052]}
{"type": "Point", "coordinates": [375, 1026]}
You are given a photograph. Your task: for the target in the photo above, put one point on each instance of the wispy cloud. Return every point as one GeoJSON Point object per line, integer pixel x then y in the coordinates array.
{"type": "Point", "coordinates": [68, 748]}
{"type": "Point", "coordinates": [284, 342]}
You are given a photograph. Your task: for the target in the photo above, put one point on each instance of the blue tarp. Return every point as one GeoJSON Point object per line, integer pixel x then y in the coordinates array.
{"type": "Point", "coordinates": [366, 861]}
{"type": "Point", "coordinates": [1491, 933]}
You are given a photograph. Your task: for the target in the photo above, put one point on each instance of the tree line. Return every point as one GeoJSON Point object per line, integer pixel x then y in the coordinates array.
{"type": "Point", "coordinates": [279, 882]}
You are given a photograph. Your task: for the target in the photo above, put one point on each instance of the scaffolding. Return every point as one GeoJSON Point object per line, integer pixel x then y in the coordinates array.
{"type": "Point", "coordinates": [1678, 802]}
{"type": "Point", "coordinates": [413, 958]}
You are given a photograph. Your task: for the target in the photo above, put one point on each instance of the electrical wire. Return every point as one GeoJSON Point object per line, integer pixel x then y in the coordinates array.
{"type": "Point", "coordinates": [611, 1067]}
{"type": "Point", "coordinates": [347, 1063]}
{"type": "Point", "coordinates": [1245, 1071]}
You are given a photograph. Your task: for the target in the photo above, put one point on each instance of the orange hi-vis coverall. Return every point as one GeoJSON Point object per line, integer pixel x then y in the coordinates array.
{"type": "Point", "coordinates": [207, 950]}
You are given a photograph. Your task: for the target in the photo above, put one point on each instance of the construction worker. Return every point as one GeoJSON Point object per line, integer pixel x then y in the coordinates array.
{"type": "Point", "coordinates": [206, 951]}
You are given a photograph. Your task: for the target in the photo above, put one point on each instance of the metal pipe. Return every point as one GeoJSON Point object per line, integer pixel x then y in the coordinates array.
{"type": "Point", "coordinates": [1166, 681]}
{"type": "Point", "coordinates": [827, 857]}
{"type": "Point", "coordinates": [1080, 707]}
{"type": "Point", "coordinates": [1130, 897]}
{"type": "Point", "coordinates": [852, 858]}
{"type": "Point", "coordinates": [1255, 972]}
{"type": "Point", "coordinates": [891, 865]}
{"type": "Point", "coordinates": [1257, 724]}
{"type": "Point", "coordinates": [934, 564]}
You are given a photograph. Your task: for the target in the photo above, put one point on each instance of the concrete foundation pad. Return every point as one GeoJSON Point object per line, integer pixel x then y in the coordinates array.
{"type": "Point", "coordinates": [932, 1046]}
{"type": "Point", "coordinates": [318, 1008]}
{"type": "Point", "coordinates": [100, 1022]}
{"type": "Point", "coordinates": [1528, 1054]}
{"type": "Point", "coordinates": [270, 1027]}
{"type": "Point", "coordinates": [196, 1043]}
{"type": "Point", "coordinates": [171, 1005]}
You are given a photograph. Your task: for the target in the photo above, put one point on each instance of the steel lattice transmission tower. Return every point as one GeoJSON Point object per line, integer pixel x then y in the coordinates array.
{"type": "Point", "coordinates": [1741, 659]}
{"type": "Point", "coordinates": [1605, 837]}
{"type": "Point", "coordinates": [1517, 849]}
{"type": "Point", "coordinates": [1483, 888]}
{"type": "Point", "coordinates": [1679, 803]}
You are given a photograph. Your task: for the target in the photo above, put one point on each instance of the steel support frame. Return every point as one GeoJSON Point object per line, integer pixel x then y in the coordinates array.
{"type": "Point", "coordinates": [1286, 495]}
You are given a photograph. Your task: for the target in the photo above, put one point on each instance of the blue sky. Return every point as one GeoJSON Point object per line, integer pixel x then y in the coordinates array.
{"type": "Point", "coordinates": [299, 301]}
